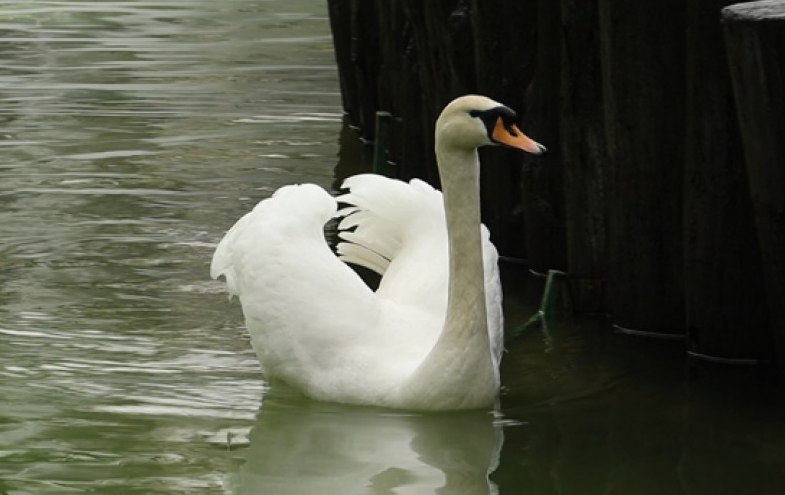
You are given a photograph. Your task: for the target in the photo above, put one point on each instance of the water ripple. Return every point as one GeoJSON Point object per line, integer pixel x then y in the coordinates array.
{"type": "Point", "coordinates": [133, 133]}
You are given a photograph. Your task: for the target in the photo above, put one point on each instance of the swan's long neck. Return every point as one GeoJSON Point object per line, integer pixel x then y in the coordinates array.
{"type": "Point", "coordinates": [462, 353]}
{"type": "Point", "coordinates": [466, 311]}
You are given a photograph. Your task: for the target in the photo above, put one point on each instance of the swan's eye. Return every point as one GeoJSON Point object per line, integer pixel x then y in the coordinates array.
{"type": "Point", "coordinates": [492, 115]}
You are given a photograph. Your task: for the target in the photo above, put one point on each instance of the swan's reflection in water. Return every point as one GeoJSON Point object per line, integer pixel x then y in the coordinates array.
{"type": "Point", "coordinates": [307, 448]}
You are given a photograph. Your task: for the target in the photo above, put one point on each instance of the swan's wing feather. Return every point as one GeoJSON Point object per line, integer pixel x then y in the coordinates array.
{"type": "Point", "coordinates": [403, 226]}
{"type": "Point", "coordinates": [357, 252]}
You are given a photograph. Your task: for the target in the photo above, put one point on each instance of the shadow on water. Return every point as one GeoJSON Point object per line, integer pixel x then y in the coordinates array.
{"type": "Point", "coordinates": [604, 413]}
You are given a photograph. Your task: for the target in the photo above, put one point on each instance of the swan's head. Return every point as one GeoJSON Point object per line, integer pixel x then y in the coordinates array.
{"type": "Point", "coordinates": [472, 121]}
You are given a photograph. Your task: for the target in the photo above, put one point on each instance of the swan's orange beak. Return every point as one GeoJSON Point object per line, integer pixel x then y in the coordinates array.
{"type": "Point", "coordinates": [512, 136]}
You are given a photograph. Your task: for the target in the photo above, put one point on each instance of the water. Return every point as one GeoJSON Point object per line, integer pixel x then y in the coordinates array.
{"type": "Point", "coordinates": [133, 133]}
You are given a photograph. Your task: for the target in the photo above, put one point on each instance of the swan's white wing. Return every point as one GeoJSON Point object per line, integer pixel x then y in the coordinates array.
{"type": "Point", "coordinates": [402, 228]}
{"type": "Point", "coordinates": [313, 322]}
{"type": "Point", "coordinates": [400, 231]}
{"type": "Point", "coordinates": [302, 305]}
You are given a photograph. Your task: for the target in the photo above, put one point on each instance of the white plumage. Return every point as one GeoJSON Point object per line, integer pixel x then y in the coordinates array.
{"type": "Point", "coordinates": [427, 338]}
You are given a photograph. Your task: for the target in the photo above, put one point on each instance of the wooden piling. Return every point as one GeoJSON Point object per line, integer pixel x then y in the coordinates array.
{"type": "Point", "coordinates": [726, 317]}
{"type": "Point", "coordinates": [644, 199]}
{"type": "Point", "coordinates": [340, 15]}
{"type": "Point", "coordinates": [423, 56]}
{"type": "Point", "coordinates": [642, 47]}
{"type": "Point", "coordinates": [421, 53]}
{"type": "Point", "coordinates": [755, 37]}
{"type": "Point", "coordinates": [543, 194]}
{"type": "Point", "coordinates": [381, 164]}
{"type": "Point", "coordinates": [355, 39]}
{"type": "Point", "coordinates": [504, 57]}
{"type": "Point", "coordinates": [582, 144]}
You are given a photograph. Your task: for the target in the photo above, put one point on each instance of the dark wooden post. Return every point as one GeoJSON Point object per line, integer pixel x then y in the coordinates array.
{"type": "Point", "coordinates": [354, 30]}
{"type": "Point", "coordinates": [583, 154]}
{"type": "Point", "coordinates": [340, 26]}
{"type": "Point", "coordinates": [642, 47]}
{"type": "Point", "coordinates": [440, 49]}
{"type": "Point", "coordinates": [504, 60]}
{"type": "Point", "coordinates": [725, 301]}
{"type": "Point", "coordinates": [755, 37]}
{"type": "Point", "coordinates": [398, 82]}
{"type": "Point", "coordinates": [543, 195]}
{"type": "Point", "coordinates": [365, 57]}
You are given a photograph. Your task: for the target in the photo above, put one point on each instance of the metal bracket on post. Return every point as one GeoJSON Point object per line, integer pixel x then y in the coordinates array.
{"type": "Point", "coordinates": [554, 288]}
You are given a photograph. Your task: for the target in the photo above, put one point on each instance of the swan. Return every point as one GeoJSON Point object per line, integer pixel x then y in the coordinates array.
{"type": "Point", "coordinates": [430, 336]}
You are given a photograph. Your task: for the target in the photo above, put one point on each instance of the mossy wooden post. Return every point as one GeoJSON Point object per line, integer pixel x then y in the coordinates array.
{"type": "Point", "coordinates": [504, 56]}
{"type": "Point", "coordinates": [582, 147]}
{"type": "Point", "coordinates": [443, 54]}
{"type": "Point", "coordinates": [642, 47]}
{"type": "Point", "coordinates": [399, 89]}
{"type": "Point", "coordinates": [354, 157]}
{"type": "Point", "coordinates": [381, 147]}
{"type": "Point", "coordinates": [755, 37]}
{"type": "Point", "coordinates": [725, 302]}
{"type": "Point", "coordinates": [340, 15]}
{"type": "Point", "coordinates": [354, 31]}
{"type": "Point", "coordinates": [543, 195]}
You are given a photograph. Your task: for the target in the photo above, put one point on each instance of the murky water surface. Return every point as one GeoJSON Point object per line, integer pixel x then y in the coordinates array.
{"type": "Point", "coordinates": [132, 134]}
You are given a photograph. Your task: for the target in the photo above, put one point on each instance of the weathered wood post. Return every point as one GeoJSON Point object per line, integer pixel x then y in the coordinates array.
{"type": "Point", "coordinates": [504, 56]}
{"type": "Point", "coordinates": [583, 154]}
{"type": "Point", "coordinates": [725, 302]}
{"type": "Point", "coordinates": [354, 28]}
{"type": "Point", "coordinates": [642, 47]}
{"type": "Point", "coordinates": [395, 85]}
{"type": "Point", "coordinates": [340, 14]}
{"type": "Point", "coordinates": [443, 54]}
{"type": "Point", "coordinates": [543, 194]}
{"type": "Point", "coordinates": [423, 55]}
{"type": "Point", "coordinates": [755, 37]}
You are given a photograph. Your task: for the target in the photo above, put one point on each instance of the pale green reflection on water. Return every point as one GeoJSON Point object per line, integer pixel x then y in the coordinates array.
{"type": "Point", "coordinates": [330, 448]}
{"type": "Point", "coordinates": [133, 133]}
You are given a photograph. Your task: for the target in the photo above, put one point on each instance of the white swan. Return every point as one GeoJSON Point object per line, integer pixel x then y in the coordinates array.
{"type": "Point", "coordinates": [430, 337]}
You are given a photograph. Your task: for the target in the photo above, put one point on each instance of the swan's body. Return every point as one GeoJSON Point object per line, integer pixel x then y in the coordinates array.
{"type": "Point", "coordinates": [430, 337]}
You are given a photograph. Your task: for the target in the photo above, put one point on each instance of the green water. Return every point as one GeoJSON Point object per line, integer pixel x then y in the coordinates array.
{"type": "Point", "coordinates": [132, 134]}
